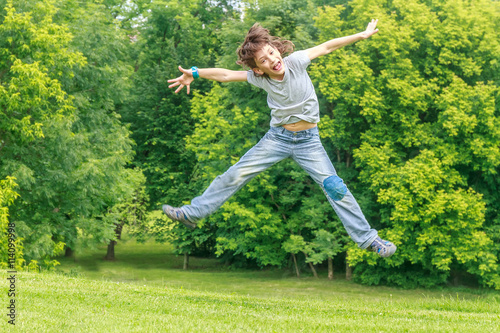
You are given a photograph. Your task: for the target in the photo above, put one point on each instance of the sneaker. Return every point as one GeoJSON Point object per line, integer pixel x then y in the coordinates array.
{"type": "Point", "coordinates": [382, 247]}
{"type": "Point", "coordinates": [177, 214]}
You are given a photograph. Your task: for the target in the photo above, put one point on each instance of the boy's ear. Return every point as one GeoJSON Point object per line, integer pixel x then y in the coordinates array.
{"type": "Point", "coordinates": [257, 70]}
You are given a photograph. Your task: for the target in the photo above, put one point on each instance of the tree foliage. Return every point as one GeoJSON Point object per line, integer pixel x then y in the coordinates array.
{"type": "Point", "coordinates": [416, 107]}
{"type": "Point", "coordinates": [409, 117]}
{"type": "Point", "coordinates": [61, 138]}
{"type": "Point", "coordinates": [11, 248]}
{"type": "Point", "coordinates": [254, 225]}
{"type": "Point", "coordinates": [172, 33]}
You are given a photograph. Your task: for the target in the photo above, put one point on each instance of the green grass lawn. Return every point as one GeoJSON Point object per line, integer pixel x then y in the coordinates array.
{"type": "Point", "coordinates": [146, 290]}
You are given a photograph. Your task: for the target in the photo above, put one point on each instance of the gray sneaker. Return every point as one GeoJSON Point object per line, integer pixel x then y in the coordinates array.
{"type": "Point", "coordinates": [382, 247]}
{"type": "Point", "coordinates": [177, 214]}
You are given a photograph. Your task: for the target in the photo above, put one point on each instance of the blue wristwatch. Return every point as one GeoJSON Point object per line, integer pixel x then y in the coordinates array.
{"type": "Point", "coordinates": [195, 72]}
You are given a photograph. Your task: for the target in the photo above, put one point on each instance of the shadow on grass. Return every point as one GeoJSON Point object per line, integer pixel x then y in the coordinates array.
{"type": "Point", "coordinates": [138, 256]}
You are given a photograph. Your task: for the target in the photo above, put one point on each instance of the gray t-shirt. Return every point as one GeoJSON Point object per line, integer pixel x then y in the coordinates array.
{"type": "Point", "coordinates": [292, 99]}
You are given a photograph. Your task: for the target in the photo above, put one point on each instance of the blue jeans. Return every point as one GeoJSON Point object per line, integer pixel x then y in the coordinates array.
{"type": "Point", "coordinates": [305, 148]}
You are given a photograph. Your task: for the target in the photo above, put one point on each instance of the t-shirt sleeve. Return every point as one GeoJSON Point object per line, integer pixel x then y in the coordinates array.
{"type": "Point", "coordinates": [254, 79]}
{"type": "Point", "coordinates": [299, 59]}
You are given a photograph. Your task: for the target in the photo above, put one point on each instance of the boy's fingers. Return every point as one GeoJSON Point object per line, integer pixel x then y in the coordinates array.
{"type": "Point", "coordinates": [179, 89]}
{"type": "Point", "coordinates": [177, 82]}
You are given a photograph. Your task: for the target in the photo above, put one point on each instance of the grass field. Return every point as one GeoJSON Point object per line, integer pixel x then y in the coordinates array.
{"type": "Point", "coordinates": [146, 290]}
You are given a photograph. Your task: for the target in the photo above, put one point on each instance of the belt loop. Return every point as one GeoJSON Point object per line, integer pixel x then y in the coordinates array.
{"type": "Point", "coordinates": [282, 130]}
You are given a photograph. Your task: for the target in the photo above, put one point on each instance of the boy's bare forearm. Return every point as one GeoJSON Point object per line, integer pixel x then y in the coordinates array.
{"type": "Point", "coordinates": [217, 74]}
{"type": "Point", "coordinates": [222, 75]}
{"type": "Point", "coordinates": [337, 43]}
{"type": "Point", "coordinates": [332, 45]}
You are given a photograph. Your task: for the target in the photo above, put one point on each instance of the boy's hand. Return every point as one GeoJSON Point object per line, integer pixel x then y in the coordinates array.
{"type": "Point", "coordinates": [370, 29]}
{"type": "Point", "coordinates": [184, 80]}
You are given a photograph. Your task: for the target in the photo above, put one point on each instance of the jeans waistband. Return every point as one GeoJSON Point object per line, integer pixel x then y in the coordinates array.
{"type": "Point", "coordinates": [284, 131]}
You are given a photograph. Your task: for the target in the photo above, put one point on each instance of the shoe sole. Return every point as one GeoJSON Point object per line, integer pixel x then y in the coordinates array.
{"type": "Point", "coordinates": [186, 223]}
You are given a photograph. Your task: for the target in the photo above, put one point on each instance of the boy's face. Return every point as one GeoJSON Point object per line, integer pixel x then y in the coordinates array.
{"type": "Point", "coordinates": [269, 61]}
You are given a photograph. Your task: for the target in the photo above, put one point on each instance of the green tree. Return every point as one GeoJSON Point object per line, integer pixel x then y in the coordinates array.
{"type": "Point", "coordinates": [293, 245]}
{"type": "Point", "coordinates": [283, 201]}
{"type": "Point", "coordinates": [10, 245]}
{"type": "Point", "coordinates": [171, 33]}
{"type": "Point", "coordinates": [415, 106]}
{"type": "Point", "coordinates": [70, 157]}
{"type": "Point", "coordinates": [131, 212]}
{"type": "Point", "coordinates": [246, 225]}
{"type": "Point", "coordinates": [34, 55]}
{"type": "Point", "coordinates": [100, 89]}
{"type": "Point", "coordinates": [324, 246]}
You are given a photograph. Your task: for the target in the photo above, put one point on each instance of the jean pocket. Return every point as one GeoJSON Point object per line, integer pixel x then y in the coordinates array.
{"type": "Point", "coordinates": [314, 137]}
{"type": "Point", "coordinates": [270, 136]}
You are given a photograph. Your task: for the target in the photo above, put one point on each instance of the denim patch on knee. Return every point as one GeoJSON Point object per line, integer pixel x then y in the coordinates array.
{"type": "Point", "coordinates": [335, 187]}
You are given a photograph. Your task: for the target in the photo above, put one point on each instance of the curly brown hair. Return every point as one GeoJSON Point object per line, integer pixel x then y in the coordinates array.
{"type": "Point", "coordinates": [257, 37]}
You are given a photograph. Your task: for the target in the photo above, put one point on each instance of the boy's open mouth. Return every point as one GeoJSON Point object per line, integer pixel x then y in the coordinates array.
{"type": "Point", "coordinates": [277, 67]}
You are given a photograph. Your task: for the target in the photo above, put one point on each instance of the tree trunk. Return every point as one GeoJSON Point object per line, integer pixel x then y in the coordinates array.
{"type": "Point", "coordinates": [313, 270]}
{"type": "Point", "coordinates": [110, 255]}
{"type": "Point", "coordinates": [296, 267]}
{"type": "Point", "coordinates": [330, 269]}
{"type": "Point", "coordinates": [348, 269]}
{"type": "Point", "coordinates": [69, 252]}
{"type": "Point", "coordinates": [118, 231]}
{"type": "Point", "coordinates": [186, 261]}
{"type": "Point", "coordinates": [312, 267]}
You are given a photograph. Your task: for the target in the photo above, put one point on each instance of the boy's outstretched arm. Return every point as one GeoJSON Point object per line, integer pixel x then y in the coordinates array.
{"type": "Point", "coordinates": [217, 74]}
{"type": "Point", "coordinates": [337, 43]}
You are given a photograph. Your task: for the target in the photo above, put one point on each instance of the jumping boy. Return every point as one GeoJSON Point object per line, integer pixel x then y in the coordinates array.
{"type": "Point", "coordinates": [293, 133]}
